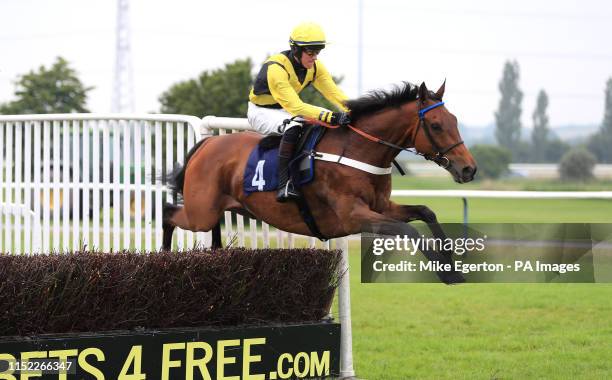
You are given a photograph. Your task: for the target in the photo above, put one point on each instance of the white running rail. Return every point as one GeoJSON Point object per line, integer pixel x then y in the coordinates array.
{"type": "Point", "coordinates": [467, 194]}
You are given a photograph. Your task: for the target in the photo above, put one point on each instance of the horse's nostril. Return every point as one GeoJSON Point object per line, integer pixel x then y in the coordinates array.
{"type": "Point", "coordinates": [468, 172]}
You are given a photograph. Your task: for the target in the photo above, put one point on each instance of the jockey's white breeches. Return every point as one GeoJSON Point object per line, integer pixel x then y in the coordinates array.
{"type": "Point", "coordinates": [268, 121]}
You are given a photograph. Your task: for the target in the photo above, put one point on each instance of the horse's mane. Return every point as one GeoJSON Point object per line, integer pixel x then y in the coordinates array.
{"type": "Point", "coordinates": [377, 100]}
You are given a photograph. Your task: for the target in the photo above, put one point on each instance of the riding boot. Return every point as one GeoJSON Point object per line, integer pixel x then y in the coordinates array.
{"type": "Point", "coordinates": [286, 190]}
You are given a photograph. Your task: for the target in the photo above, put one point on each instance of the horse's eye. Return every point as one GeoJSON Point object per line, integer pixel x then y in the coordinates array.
{"type": "Point", "coordinates": [436, 127]}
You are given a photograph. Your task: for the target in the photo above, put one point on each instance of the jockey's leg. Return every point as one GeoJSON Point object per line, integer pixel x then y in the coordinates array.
{"type": "Point", "coordinates": [267, 121]}
{"type": "Point", "coordinates": [286, 190]}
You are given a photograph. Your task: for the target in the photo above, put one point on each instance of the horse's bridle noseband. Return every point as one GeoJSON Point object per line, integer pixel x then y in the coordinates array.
{"type": "Point", "coordinates": [440, 154]}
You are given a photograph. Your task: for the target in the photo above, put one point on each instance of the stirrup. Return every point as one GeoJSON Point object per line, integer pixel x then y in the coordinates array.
{"type": "Point", "coordinates": [287, 192]}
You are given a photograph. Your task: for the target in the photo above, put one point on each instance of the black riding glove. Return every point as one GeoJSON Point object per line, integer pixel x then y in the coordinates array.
{"type": "Point", "coordinates": [340, 118]}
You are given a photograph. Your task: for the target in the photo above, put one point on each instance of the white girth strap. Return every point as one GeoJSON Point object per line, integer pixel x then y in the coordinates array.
{"type": "Point", "coordinates": [352, 163]}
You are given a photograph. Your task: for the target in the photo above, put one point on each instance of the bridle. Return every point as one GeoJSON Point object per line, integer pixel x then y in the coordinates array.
{"type": "Point", "coordinates": [440, 154]}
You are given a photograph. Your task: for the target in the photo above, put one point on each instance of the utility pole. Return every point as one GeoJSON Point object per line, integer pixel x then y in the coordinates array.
{"type": "Point", "coordinates": [360, 49]}
{"type": "Point", "coordinates": [123, 85]}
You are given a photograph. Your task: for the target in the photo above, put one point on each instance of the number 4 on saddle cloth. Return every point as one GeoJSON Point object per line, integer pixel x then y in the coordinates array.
{"type": "Point", "coordinates": [261, 169]}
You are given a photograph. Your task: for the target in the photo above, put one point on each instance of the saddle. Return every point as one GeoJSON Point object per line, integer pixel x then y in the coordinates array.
{"type": "Point", "coordinates": [261, 170]}
{"type": "Point", "coordinates": [260, 173]}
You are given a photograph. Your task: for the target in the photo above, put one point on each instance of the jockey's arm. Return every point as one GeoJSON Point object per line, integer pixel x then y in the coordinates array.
{"type": "Point", "coordinates": [324, 83]}
{"type": "Point", "coordinates": [286, 96]}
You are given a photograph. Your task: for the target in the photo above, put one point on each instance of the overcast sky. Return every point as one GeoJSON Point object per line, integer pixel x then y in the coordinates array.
{"type": "Point", "coordinates": [562, 46]}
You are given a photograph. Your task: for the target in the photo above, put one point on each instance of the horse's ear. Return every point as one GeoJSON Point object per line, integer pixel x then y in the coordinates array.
{"type": "Point", "coordinates": [423, 91]}
{"type": "Point", "coordinates": [440, 92]}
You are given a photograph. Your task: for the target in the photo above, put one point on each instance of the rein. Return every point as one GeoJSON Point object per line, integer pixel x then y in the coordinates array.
{"type": "Point", "coordinates": [440, 154]}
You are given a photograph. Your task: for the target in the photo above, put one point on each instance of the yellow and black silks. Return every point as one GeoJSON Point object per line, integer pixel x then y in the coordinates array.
{"type": "Point", "coordinates": [280, 81]}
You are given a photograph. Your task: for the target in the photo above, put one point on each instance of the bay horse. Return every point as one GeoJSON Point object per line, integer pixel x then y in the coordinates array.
{"type": "Point", "coordinates": [343, 200]}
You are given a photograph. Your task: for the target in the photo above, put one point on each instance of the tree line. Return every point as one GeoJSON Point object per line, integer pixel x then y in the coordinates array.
{"type": "Point", "coordinates": [543, 145]}
{"type": "Point", "coordinates": [219, 92]}
{"type": "Point", "coordinates": [575, 162]}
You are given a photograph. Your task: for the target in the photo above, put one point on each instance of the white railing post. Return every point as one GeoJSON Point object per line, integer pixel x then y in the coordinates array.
{"type": "Point", "coordinates": [8, 178]}
{"type": "Point", "coordinates": [138, 199]}
{"type": "Point", "coordinates": [344, 314]}
{"type": "Point", "coordinates": [18, 190]}
{"type": "Point", "coordinates": [22, 211]}
{"type": "Point", "coordinates": [148, 198]}
{"type": "Point", "coordinates": [3, 244]}
{"type": "Point", "coordinates": [27, 181]}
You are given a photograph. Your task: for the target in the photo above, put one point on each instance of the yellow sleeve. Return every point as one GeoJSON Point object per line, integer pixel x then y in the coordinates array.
{"type": "Point", "coordinates": [285, 95]}
{"type": "Point", "coordinates": [324, 83]}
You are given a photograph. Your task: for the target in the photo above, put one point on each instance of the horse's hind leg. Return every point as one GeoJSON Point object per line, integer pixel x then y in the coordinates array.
{"type": "Point", "coordinates": [216, 236]}
{"type": "Point", "coordinates": [175, 216]}
{"type": "Point", "coordinates": [169, 212]}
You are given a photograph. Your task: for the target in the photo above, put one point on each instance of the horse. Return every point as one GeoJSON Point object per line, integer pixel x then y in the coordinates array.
{"type": "Point", "coordinates": [344, 200]}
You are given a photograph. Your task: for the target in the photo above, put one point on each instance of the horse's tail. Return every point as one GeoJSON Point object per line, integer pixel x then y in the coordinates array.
{"type": "Point", "coordinates": [176, 178]}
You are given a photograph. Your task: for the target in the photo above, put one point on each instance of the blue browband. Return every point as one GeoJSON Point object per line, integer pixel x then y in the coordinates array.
{"type": "Point", "coordinates": [424, 110]}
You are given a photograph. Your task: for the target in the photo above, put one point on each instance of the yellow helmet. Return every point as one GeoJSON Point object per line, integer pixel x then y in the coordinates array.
{"type": "Point", "coordinates": [307, 34]}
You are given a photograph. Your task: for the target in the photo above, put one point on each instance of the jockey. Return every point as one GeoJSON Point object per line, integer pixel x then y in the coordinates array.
{"type": "Point", "coordinates": [274, 97]}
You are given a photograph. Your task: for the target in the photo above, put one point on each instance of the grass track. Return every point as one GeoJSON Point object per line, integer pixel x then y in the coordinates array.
{"type": "Point", "coordinates": [486, 331]}
{"type": "Point", "coordinates": [480, 331]}
{"type": "Point", "coordinates": [450, 210]}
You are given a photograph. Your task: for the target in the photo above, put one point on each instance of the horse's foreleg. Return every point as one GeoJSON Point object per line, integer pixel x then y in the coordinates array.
{"type": "Point", "coordinates": [377, 223]}
{"type": "Point", "coordinates": [406, 213]}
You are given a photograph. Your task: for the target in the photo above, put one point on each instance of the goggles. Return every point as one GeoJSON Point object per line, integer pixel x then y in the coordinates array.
{"type": "Point", "coordinates": [312, 52]}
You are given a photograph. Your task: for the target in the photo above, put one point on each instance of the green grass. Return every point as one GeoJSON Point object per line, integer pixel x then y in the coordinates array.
{"type": "Point", "coordinates": [480, 331]}
{"type": "Point", "coordinates": [450, 210]}
{"type": "Point", "coordinates": [486, 331]}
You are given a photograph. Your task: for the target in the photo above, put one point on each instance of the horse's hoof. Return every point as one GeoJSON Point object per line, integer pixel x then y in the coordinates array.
{"type": "Point", "coordinates": [451, 278]}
